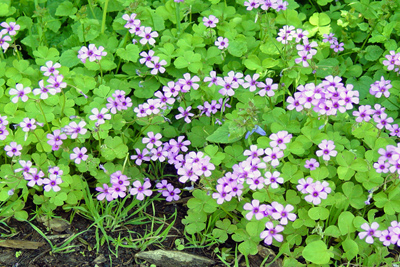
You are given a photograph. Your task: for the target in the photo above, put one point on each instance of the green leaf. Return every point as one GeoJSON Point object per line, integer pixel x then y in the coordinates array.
{"type": "Point", "coordinates": [69, 58]}
{"type": "Point", "coordinates": [333, 231]}
{"type": "Point", "coordinates": [373, 52]}
{"type": "Point", "coordinates": [66, 8]}
{"type": "Point", "coordinates": [130, 53]}
{"type": "Point", "coordinates": [350, 248]}
{"type": "Point", "coordinates": [317, 252]}
{"type": "Point", "coordinates": [345, 223]}
{"type": "Point", "coordinates": [318, 213]}
{"type": "Point", "coordinates": [202, 202]}
{"type": "Point", "coordinates": [320, 19]}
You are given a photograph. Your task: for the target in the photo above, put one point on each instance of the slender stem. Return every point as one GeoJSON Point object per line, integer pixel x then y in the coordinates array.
{"type": "Point", "coordinates": [39, 141]}
{"type": "Point", "coordinates": [101, 73]}
{"type": "Point", "coordinates": [63, 106]}
{"type": "Point", "coordinates": [103, 22]}
{"type": "Point", "coordinates": [178, 21]}
{"type": "Point", "coordinates": [44, 116]}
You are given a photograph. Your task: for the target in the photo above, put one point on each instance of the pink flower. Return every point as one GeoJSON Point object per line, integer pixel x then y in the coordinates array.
{"type": "Point", "coordinates": [211, 21]}
{"type": "Point", "coordinates": [50, 68]}
{"type": "Point", "coordinates": [148, 36]}
{"type": "Point", "coordinates": [327, 149]}
{"type": "Point", "coordinates": [79, 154]}
{"type": "Point", "coordinates": [52, 183]}
{"type": "Point", "coordinates": [255, 209]}
{"type": "Point", "coordinates": [100, 116]}
{"type": "Point", "coordinates": [371, 231]}
{"type": "Point", "coordinates": [140, 190]}
{"type": "Point", "coordinates": [20, 93]}
{"type": "Point", "coordinates": [272, 233]}
{"type": "Point", "coordinates": [222, 43]}
{"type": "Point", "coordinates": [13, 149]}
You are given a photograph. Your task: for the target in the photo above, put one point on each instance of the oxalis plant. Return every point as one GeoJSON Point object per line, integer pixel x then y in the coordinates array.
{"type": "Point", "coordinates": [279, 118]}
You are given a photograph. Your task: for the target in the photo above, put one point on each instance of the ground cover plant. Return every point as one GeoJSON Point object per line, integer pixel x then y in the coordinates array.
{"type": "Point", "coordinates": [278, 118]}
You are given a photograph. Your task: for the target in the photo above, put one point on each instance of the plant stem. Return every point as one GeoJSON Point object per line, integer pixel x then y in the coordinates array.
{"type": "Point", "coordinates": [44, 116]}
{"type": "Point", "coordinates": [103, 21]}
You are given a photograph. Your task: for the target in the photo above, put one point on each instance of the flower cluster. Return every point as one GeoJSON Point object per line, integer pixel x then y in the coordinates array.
{"type": "Point", "coordinates": [3, 130]}
{"type": "Point", "coordinates": [316, 190]}
{"type": "Point", "coordinates": [91, 52]}
{"type": "Point", "coordinates": [120, 184]}
{"type": "Point", "coordinates": [9, 29]}
{"type": "Point", "coordinates": [168, 191]}
{"type": "Point", "coordinates": [332, 40]}
{"type": "Point", "coordinates": [213, 107]}
{"type": "Point", "coordinates": [392, 61]}
{"type": "Point", "coordinates": [389, 160]}
{"type": "Point", "coordinates": [380, 88]}
{"type": "Point", "coordinates": [277, 212]}
{"type": "Point", "coordinates": [278, 5]}
{"type": "Point", "coordinates": [35, 176]}
{"type": "Point", "coordinates": [134, 26]}
{"type": "Point", "coordinates": [378, 114]}
{"type": "Point", "coordinates": [327, 98]}
{"type": "Point", "coordinates": [389, 236]}
{"type": "Point", "coordinates": [153, 62]}
{"type": "Point", "coordinates": [306, 50]}
{"type": "Point", "coordinates": [55, 81]}
{"type": "Point", "coordinates": [166, 99]}
{"type": "Point", "coordinates": [118, 101]}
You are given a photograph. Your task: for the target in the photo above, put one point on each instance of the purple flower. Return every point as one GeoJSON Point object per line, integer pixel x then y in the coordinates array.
{"type": "Point", "coordinates": [280, 139]}
{"type": "Point", "coordinates": [99, 116]}
{"type": "Point", "coordinates": [52, 183]}
{"type": "Point", "coordinates": [222, 43]}
{"type": "Point", "coordinates": [267, 88]}
{"type": "Point", "coordinates": [273, 179]}
{"type": "Point", "coordinates": [26, 166]}
{"type": "Point", "coordinates": [283, 213]}
{"type": "Point", "coordinates": [50, 68]}
{"type": "Point", "coordinates": [188, 82]}
{"type": "Point", "coordinates": [140, 190]}
{"type": "Point", "coordinates": [303, 184]}
{"type": "Point", "coordinates": [370, 232]}
{"type": "Point", "coordinates": [10, 29]}
{"type": "Point", "coordinates": [329, 38]}
{"type": "Point", "coordinates": [272, 233]}
{"type": "Point", "coordinates": [117, 191]}
{"type": "Point", "coordinates": [34, 177]}
{"type": "Point", "coordinates": [363, 113]}
{"type": "Point", "coordinates": [91, 52]}
{"type": "Point", "coordinates": [148, 36]}
{"type": "Point", "coordinates": [251, 4]}
{"type": "Point", "coordinates": [383, 121]}
{"type": "Point", "coordinates": [79, 155]}
{"type": "Point", "coordinates": [327, 149]}
{"type": "Point", "coordinates": [56, 138]}
{"type": "Point", "coordinates": [13, 149]}
{"type": "Point", "coordinates": [254, 208]}
{"type": "Point", "coordinates": [74, 129]}
{"type": "Point", "coordinates": [311, 164]}
{"type": "Point", "coordinates": [304, 56]}
{"type": "Point", "coordinates": [273, 155]}
{"type": "Point", "coordinates": [140, 156]}
{"type": "Point", "coordinates": [392, 60]}
{"type": "Point", "coordinates": [211, 21]}
{"type": "Point", "coordinates": [316, 193]}
{"type": "Point", "coordinates": [380, 88]}
{"type": "Point", "coordinates": [157, 66]}
{"type": "Point", "coordinates": [381, 166]}
{"type": "Point", "coordinates": [171, 194]}
{"type": "Point", "coordinates": [3, 132]}
{"type": "Point", "coordinates": [131, 20]}
{"type": "Point", "coordinates": [104, 193]}
{"type": "Point", "coordinates": [20, 93]}
{"type": "Point", "coordinates": [222, 194]}
{"type": "Point", "coordinates": [213, 79]}
{"type": "Point", "coordinates": [337, 47]}
{"type": "Point", "coordinates": [152, 140]}
{"type": "Point", "coordinates": [4, 39]}
{"type": "Point", "coordinates": [286, 34]}
{"type": "Point", "coordinates": [56, 82]}
{"type": "Point", "coordinates": [28, 124]}
{"type": "Point", "coordinates": [254, 152]}
{"type": "Point", "coordinates": [387, 237]}
{"type": "Point", "coordinates": [184, 114]}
